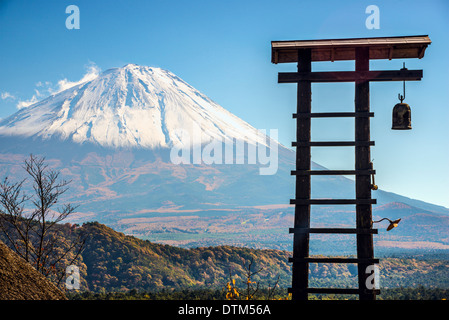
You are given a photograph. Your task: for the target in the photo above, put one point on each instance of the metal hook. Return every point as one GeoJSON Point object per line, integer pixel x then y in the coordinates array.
{"type": "Point", "coordinates": [402, 97]}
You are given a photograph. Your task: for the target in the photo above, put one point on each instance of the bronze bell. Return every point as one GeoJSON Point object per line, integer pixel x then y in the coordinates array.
{"type": "Point", "coordinates": [402, 117]}
{"type": "Point", "coordinates": [402, 114]}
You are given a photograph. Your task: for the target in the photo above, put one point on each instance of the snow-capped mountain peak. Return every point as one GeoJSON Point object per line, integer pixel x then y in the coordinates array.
{"type": "Point", "coordinates": [132, 106]}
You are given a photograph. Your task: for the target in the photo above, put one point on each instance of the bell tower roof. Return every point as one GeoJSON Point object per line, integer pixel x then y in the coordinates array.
{"type": "Point", "coordinates": [344, 49]}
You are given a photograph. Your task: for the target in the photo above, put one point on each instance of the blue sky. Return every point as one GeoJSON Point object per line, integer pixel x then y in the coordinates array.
{"type": "Point", "coordinates": [222, 48]}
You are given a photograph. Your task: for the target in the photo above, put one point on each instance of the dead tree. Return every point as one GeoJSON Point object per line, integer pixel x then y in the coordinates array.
{"type": "Point", "coordinates": [36, 233]}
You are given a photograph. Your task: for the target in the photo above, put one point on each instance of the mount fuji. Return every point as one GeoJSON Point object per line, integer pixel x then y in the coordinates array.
{"type": "Point", "coordinates": [112, 137]}
{"type": "Point", "coordinates": [130, 107]}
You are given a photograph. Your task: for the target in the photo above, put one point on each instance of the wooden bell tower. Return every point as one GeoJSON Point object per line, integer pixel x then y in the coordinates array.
{"type": "Point", "coordinates": [361, 50]}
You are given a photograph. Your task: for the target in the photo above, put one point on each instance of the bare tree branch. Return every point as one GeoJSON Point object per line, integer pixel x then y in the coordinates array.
{"type": "Point", "coordinates": [34, 234]}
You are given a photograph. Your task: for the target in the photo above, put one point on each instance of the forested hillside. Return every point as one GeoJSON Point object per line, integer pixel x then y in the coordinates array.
{"type": "Point", "coordinates": [114, 262]}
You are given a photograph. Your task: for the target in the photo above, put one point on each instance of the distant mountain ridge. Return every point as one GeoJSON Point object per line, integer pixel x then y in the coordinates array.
{"type": "Point", "coordinates": [112, 137]}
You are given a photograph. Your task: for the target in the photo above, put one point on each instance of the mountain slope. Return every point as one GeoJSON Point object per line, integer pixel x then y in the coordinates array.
{"type": "Point", "coordinates": [133, 106]}
{"type": "Point", "coordinates": [113, 136]}
{"type": "Point", "coordinates": [20, 281]}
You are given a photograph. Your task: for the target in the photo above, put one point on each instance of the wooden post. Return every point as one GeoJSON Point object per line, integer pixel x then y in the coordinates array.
{"type": "Point", "coordinates": [300, 269]}
{"type": "Point", "coordinates": [363, 183]}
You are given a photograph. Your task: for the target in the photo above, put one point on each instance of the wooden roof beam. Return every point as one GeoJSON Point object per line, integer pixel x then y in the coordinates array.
{"type": "Point", "coordinates": [350, 76]}
{"type": "Point", "coordinates": [344, 49]}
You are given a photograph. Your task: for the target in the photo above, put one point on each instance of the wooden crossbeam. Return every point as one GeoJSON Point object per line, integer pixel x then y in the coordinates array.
{"type": "Point", "coordinates": [337, 290]}
{"type": "Point", "coordinates": [331, 172]}
{"type": "Point", "coordinates": [332, 201]}
{"type": "Point", "coordinates": [333, 230]}
{"type": "Point", "coordinates": [334, 260]}
{"type": "Point", "coordinates": [333, 115]}
{"type": "Point", "coordinates": [333, 143]}
{"type": "Point", "coordinates": [350, 76]}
